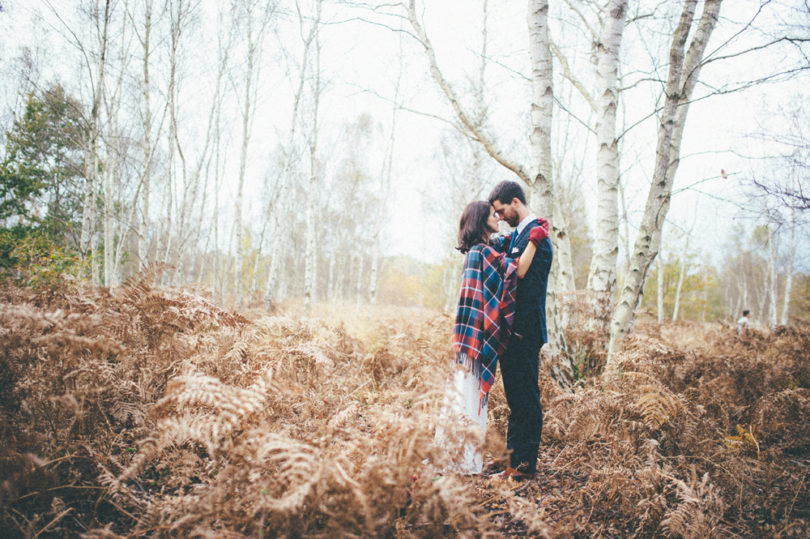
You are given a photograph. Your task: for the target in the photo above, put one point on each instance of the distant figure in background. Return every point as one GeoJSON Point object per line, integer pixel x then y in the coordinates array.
{"type": "Point", "coordinates": [486, 308]}
{"type": "Point", "coordinates": [744, 322]}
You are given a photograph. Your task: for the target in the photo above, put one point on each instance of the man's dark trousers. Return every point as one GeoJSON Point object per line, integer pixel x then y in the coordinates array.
{"type": "Point", "coordinates": [520, 369]}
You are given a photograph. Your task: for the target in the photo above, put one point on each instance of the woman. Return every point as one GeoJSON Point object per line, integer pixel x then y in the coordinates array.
{"type": "Point", "coordinates": [484, 316]}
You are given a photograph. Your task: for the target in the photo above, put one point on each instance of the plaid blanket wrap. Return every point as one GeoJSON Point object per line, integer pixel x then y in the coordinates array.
{"type": "Point", "coordinates": [486, 308]}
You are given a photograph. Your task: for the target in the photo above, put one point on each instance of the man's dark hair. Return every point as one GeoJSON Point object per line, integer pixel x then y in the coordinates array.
{"type": "Point", "coordinates": [505, 191]}
{"type": "Point", "coordinates": [745, 312]}
{"type": "Point", "coordinates": [473, 225]}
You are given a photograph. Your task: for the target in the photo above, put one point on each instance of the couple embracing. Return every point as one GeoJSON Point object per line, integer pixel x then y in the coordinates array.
{"type": "Point", "coordinates": [501, 320]}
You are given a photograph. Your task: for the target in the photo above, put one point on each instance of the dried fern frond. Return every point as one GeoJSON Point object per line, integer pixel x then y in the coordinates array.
{"type": "Point", "coordinates": [698, 512]}
{"type": "Point", "coordinates": [657, 405]}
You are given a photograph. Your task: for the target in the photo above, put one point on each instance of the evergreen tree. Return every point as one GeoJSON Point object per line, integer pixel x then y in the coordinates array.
{"type": "Point", "coordinates": [41, 176]}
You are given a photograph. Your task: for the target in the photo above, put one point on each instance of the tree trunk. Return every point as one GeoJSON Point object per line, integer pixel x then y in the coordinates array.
{"type": "Point", "coordinates": [660, 289]}
{"type": "Point", "coordinates": [313, 198]}
{"type": "Point", "coordinates": [772, 321]}
{"type": "Point", "coordinates": [146, 175]}
{"type": "Point", "coordinates": [278, 240]}
{"type": "Point", "coordinates": [681, 275]}
{"type": "Point", "coordinates": [246, 124]}
{"type": "Point", "coordinates": [683, 74]}
{"type": "Point", "coordinates": [783, 319]}
{"type": "Point", "coordinates": [602, 273]}
{"type": "Point", "coordinates": [87, 238]}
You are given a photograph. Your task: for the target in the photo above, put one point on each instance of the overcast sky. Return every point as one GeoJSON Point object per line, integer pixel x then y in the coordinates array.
{"type": "Point", "coordinates": [361, 64]}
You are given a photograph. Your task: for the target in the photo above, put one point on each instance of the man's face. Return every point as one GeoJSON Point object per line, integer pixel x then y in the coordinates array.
{"type": "Point", "coordinates": [506, 212]}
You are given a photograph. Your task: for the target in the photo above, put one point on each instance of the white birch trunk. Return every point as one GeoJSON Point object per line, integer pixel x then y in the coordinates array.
{"type": "Point", "coordinates": [87, 238]}
{"type": "Point", "coordinates": [330, 285]}
{"type": "Point", "coordinates": [542, 102]}
{"type": "Point", "coordinates": [113, 171]}
{"type": "Point", "coordinates": [783, 318]}
{"type": "Point", "coordinates": [681, 275]}
{"type": "Point", "coordinates": [660, 289]}
{"type": "Point", "coordinates": [772, 309]}
{"type": "Point", "coordinates": [602, 273]}
{"type": "Point", "coordinates": [246, 114]}
{"type": "Point", "coordinates": [311, 258]}
{"type": "Point", "coordinates": [683, 74]}
{"type": "Point", "coordinates": [278, 241]}
{"type": "Point", "coordinates": [175, 30]}
{"type": "Point", "coordinates": [146, 177]}
{"type": "Point", "coordinates": [541, 182]}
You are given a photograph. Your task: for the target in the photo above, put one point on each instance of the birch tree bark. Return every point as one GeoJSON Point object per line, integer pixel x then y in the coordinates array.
{"type": "Point", "coordinates": [313, 198]}
{"type": "Point", "coordinates": [684, 69]}
{"type": "Point", "coordinates": [772, 308]}
{"type": "Point", "coordinates": [385, 183]}
{"type": "Point", "coordinates": [660, 289]}
{"type": "Point", "coordinates": [150, 140]}
{"type": "Point", "coordinates": [115, 172]}
{"type": "Point", "coordinates": [783, 318]}
{"type": "Point", "coordinates": [278, 241]}
{"type": "Point", "coordinates": [602, 273]}
{"type": "Point", "coordinates": [87, 242]}
{"type": "Point", "coordinates": [679, 287]}
{"type": "Point", "coordinates": [255, 18]}
{"type": "Point", "coordinates": [682, 272]}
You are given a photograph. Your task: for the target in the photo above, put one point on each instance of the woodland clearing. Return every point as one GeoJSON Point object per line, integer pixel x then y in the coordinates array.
{"type": "Point", "coordinates": [152, 411]}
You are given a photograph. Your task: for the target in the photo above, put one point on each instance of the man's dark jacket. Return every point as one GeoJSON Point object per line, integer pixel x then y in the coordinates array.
{"type": "Point", "coordinates": [530, 306]}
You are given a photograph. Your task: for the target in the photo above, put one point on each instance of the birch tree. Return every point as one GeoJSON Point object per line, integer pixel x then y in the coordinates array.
{"type": "Point", "coordinates": [254, 16]}
{"type": "Point", "coordinates": [783, 318]}
{"type": "Point", "coordinates": [602, 274]}
{"type": "Point", "coordinates": [101, 16]}
{"type": "Point", "coordinates": [313, 198]}
{"type": "Point", "coordinates": [660, 289]}
{"type": "Point", "coordinates": [290, 155]}
{"type": "Point", "coordinates": [143, 27]}
{"type": "Point", "coordinates": [684, 70]}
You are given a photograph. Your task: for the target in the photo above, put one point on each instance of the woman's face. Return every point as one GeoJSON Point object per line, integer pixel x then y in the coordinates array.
{"type": "Point", "coordinates": [492, 221]}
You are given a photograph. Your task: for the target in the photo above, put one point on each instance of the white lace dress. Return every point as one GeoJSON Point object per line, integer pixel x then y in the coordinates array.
{"type": "Point", "coordinates": [461, 406]}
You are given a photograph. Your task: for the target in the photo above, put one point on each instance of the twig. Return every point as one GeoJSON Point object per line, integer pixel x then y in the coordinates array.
{"type": "Point", "coordinates": [54, 521]}
{"type": "Point", "coordinates": [57, 488]}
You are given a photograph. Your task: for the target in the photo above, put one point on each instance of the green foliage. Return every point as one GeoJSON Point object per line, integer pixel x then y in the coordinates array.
{"type": "Point", "coordinates": [800, 299]}
{"type": "Point", "coordinates": [39, 259]}
{"type": "Point", "coordinates": [41, 187]}
{"type": "Point", "coordinates": [701, 295]}
{"type": "Point", "coordinates": [41, 177]}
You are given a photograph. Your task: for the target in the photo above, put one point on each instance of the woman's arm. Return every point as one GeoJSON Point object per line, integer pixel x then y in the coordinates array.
{"type": "Point", "coordinates": [536, 235]}
{"type": "Point", "coordinates": [525, 260]}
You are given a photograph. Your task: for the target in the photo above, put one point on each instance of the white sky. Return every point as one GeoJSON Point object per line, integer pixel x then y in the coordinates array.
{"type": "Point", "coordinates": [361, 63]}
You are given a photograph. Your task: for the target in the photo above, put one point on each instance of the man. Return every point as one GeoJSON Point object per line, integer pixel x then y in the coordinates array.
{"type": "Point", "coordinates": [743, 323]}
{"type": "Point", "coordinates": [521, 361]}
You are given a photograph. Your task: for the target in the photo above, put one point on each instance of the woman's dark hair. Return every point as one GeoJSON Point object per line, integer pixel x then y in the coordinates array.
{"type": "Point", "coordinates": [473, 225]}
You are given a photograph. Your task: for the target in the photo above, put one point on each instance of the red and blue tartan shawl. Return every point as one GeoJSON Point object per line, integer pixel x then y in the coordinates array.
{"type": "Point", "coordinates": [486, 308]}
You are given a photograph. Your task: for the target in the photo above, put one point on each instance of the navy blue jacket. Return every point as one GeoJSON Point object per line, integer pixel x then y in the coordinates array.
{"type": "Point", "coordinates": [530, 307]}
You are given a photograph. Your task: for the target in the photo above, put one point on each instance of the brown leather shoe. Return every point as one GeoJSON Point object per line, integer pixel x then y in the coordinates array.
{"type": "Point", "coordinates": [495, 464]}
{"type": "Point", "coordinates": [511, 473]}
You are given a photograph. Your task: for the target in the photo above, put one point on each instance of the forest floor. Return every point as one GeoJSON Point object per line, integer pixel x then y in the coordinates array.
{"type": "Point", "coordinates": [154, 412]}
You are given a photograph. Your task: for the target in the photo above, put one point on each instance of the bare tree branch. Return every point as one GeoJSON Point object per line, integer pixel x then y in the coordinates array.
{"type": "Point", "coordinates": [450, 94]}
{"type": "Point", "coordinates": [566, 69]}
